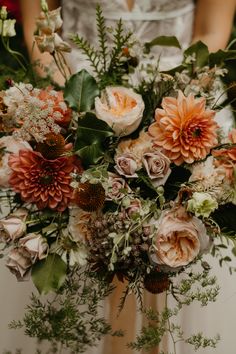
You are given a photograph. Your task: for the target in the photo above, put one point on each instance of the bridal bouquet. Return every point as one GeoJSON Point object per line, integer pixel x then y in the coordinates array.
{"type": "Point", "coordinates": [122, 172]}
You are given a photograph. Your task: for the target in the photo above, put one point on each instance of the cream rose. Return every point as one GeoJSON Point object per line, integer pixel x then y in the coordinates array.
{"type": "Point", "coordinates": [121, 108]}
{"type": "Point", "coordinates": [19, 262]}
{"type": "Point", "coordinates": [157, 166]}
{"type": "Point", "coordinates": [9, 145]}
{"type": "Point", "coordinates": [50, 22]}
{"type": "Point", "coordinates": [36, 245]}
{"type": "Point", "coordinates": [179, 239]}
{"type": "Point", "coordinates": [12, 228]}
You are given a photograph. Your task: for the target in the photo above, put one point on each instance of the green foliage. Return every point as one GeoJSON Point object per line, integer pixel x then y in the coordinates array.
{"type": "Point", "coordinates": [49, 274]}
{"type": "Point", "coordinates": [166, 41]}
{"type": "Point", "coordinates": [71, 320]}
{"type": "Point", "coordinates": [108, 64]}
{"type": "Point", "coordinates": [80, 91]}
{"type": "Point", "coordinates": [195, 286]}
{"type": "Point", "coordinates": [91, 136]}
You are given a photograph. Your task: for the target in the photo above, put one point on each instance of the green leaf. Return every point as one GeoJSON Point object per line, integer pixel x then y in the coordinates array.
{"type": "Point", "coordinates": [91, 135]}
{"type": "Point", "coordinates": [80, 91]}
{"type": "Point", "coordinates": [220, 56]}
{"type": "Point", "coordinates": [166, 41]}
{"type": "Point", "coordinates": [201, 51]}
{"type": "Point", "coordinates": [49, 274]}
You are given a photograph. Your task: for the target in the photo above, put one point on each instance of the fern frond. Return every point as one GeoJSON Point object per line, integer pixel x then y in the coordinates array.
{"type": "Point", "coordinates": [120, 40]}
{"type": "Point", "coordinates": [90, 52]}
{"type": "Point", "coordinates": [102, 36]}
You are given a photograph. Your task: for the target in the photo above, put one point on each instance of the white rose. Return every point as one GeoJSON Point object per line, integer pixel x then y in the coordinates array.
{"type": "Point", "coordinates": [49, 22]}
{"type": "Point", "coordinates": [121, 108]}
{"type": "Point", "coordinates": [36, 246]}
{"type": "Point", "coordinates": [9, 145]}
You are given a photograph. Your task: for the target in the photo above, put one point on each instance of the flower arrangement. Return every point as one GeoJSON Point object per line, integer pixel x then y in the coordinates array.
{"type": "Point", "coordinates": [123, 172]}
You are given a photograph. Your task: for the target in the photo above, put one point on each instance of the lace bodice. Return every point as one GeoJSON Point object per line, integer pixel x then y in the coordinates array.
{"type": "Point", "coordinates": [147, 20]}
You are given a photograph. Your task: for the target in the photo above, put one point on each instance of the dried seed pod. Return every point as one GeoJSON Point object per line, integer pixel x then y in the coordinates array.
{"type": "Point", "coordinates": [156, 282]}
{"type": "Point", "coordinates": [90, 197]}
{"type": "Point", "coordinates": [52, 147]}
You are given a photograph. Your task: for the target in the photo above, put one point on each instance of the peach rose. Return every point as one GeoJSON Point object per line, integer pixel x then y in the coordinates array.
{"type": "Point", "coordinates": [179, 238]}
{"type": "Point", "coordinates": [121, 108]}
{"type": "Point", "coordinates": [79, 222]}
{"type": "Point", "coordinates": [9, 145]}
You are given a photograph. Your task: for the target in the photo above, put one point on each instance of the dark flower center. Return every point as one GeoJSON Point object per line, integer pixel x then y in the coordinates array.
{"type": "Point", "coordinates": [45, 180]}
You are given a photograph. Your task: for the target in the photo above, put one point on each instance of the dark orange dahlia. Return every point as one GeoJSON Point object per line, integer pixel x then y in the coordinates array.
{"type": "Point", "coordinates": [43, 182]}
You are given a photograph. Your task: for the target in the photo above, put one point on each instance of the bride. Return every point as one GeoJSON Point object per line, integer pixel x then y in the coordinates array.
{"type": "Point", "coordinates": [188, 21]}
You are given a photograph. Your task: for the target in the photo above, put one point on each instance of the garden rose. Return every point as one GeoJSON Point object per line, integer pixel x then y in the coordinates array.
{"type": "Point", "coordinates": [9, 145]}
{"type": "Point", "coordinates": [157, 166]}
{"type": "Point", "coordinates": [36, 245]}
{"type": "Point", "coordinates": [79, 222]}
{"type": "Point", "coordinates": [121, 108]}
{"type": "Point", "coordinates": [179, 238]}
{"type": "Point", "coordinates": [12, 228]}
{"type": "Point", "coordinates": [19, 262]}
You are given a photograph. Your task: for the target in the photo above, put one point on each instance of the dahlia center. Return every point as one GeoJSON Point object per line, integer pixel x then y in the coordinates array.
{"type": "Point", "coordinates": [197, 132]}
{"type": "Point", "coordinates": [46, 180]}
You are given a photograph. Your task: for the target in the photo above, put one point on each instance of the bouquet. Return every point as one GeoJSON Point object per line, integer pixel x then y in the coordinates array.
{"type": "Point", "coordinates": [123, 172]}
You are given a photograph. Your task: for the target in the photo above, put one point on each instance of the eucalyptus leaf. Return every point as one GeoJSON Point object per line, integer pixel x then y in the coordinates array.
{"type": "Point", "coordinates": [164, 41]}
{"type": "Point", "coordinates": [80, 91]}
{"type": "Point", "coordinates": [202, 54]}
{"type": "Point", "coordinates": [49, 274]}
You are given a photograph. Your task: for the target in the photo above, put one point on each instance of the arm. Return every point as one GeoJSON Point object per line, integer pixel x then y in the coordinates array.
{"type": "Point", "coordinates": [213, 22]}
{"type": "Point", "coordinates": [30, 10]}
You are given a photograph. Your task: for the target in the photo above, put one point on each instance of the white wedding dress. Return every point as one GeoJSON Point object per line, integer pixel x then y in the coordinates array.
{"type": "Point", "coordinates": [147, 19]}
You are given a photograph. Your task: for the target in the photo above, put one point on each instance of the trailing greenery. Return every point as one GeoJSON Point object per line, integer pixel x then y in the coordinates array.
{"type": "Point", "coordinates": [194, 286]}
{"type": "Point", "coordinates": [71, 319]}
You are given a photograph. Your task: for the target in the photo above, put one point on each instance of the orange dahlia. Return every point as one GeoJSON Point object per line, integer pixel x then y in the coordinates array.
{"type": "Point", "coordinates": [184, 128]}
{"type": "Point", "coordinates": [43, 182]}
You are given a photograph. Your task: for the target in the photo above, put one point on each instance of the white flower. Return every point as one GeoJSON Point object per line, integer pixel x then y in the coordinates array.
{"type": "Point", "coordinates": [121, 108]}
{"type": "Point", "coordinates": [7, 28]}
{"type": "Point", "coordinates": [202, 204]}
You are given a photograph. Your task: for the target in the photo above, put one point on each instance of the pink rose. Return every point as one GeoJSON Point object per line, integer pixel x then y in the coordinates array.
{"type": "Point", "coordinates": [126, 165]}
{"type": "Point", "coordinates": [9, 145]}
{"type": "Point", "coordinates": [35, 245]}
{"type": "Point", "coordinates": [134, 207]}
{"type": "Point", "coordinates": [117, 185]}
{"type": "Point", "coordinates": [19, 262]}
{"type": "Point", "coordinates": [179, 238]}
{"type": "Point", "coordinates": [12, 228]}
{"type": "Point", "coordinates": [157, 166]}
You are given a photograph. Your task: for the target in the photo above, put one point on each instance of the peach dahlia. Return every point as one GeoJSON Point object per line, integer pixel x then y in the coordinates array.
{"type": "Point", "coordinates": [184, 128]}
{"type": "Point", "coordinates": [43, 182]}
